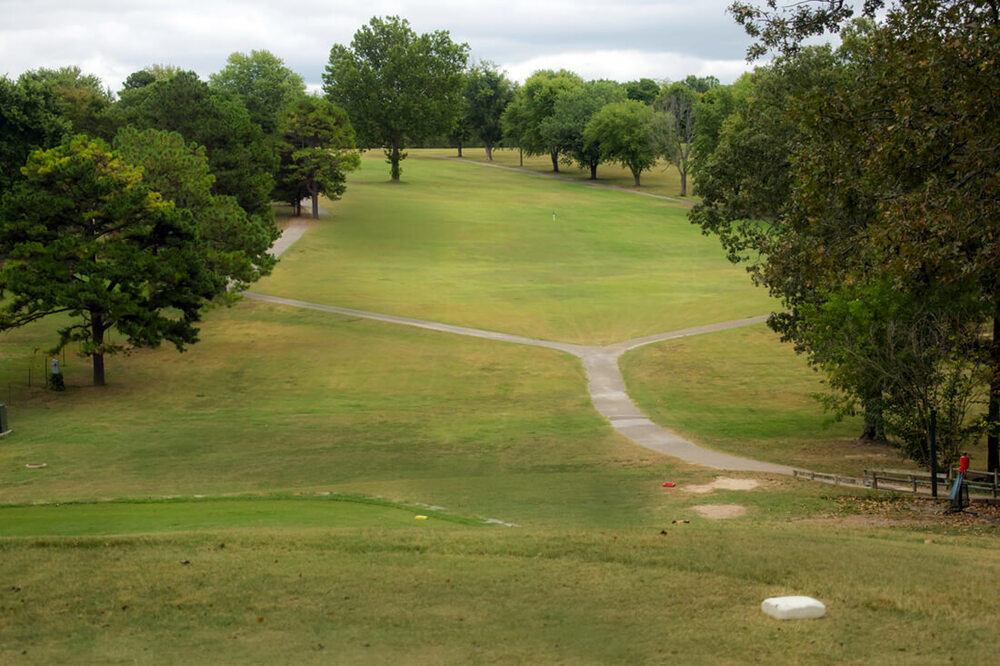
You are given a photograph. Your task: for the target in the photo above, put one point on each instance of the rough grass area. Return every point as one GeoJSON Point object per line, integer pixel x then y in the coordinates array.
{"type": "Point", "coordinates": [479, 247]}
{"type": "Point", "coordinates": [689, 593]}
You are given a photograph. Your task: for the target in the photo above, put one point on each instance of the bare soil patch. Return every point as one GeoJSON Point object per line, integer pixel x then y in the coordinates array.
{"type": "Point", "coordinates": [719, 511]}
{"type": "Point", "coordinates": [724, 484]}
{"type": "Point", "coordinates": [920, 512]}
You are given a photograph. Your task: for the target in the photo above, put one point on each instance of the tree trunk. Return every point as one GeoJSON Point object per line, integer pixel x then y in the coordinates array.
{"type": "Point", "coordinates": [593, 172]}
{"type": "Point", "coordinates": [555, 161]}
{"type": "Point", "coordinates": [394, 162]}
{"type": "Point", "coordinates": [636, 174]}
{"type": "Point", "coordinates": [993, 438]}
{"type": "Point", "coordinates": [97, 335]}
{"type": "Point", "coordinates": [684, 183]}
{"type": "Point", "coordinates": [459, 148]}
{"type": "Point", "coordinates": [489, 152]}
{"type": "Point", "coordinates": [298, 208]}
{"type": "Point", "coordinates": [873, 429]}
{"type": "Point", "coordinates": [315, 203]}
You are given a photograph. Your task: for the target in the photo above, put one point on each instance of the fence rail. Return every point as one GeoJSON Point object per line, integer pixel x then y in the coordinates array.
{"type": "Point", "coordinates": [979, 482]}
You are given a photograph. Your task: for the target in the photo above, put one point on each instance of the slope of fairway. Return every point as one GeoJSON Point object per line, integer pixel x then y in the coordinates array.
{"type": "Point", "coordinates": [745, 392]}
{"type": "Point", "coordinates": [487, 248]}
{"type": "Point", "coordinates": [276, 399]}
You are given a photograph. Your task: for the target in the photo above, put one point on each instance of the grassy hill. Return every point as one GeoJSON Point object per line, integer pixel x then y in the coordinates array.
{"type": "Point", "coordinates": [256, 499]}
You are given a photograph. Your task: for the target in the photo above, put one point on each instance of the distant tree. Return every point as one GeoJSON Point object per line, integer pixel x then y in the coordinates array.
{"type": "Point", "coordinates": [462, 130]}
{"type": "Point", "coordinates": [30, 119]}
{"type": "Point", "coordinates": [487, 94]}
{"type": "Point", "coordinates": [700, 84]}
{"type": "Point", "coordinates": [397, 86]}
{"type": "Point", "coordinates": [316, 149]}
{"type": "Point", "coordinates": [626, 133]}
{"type": "Point", "coordinates": [242, 162]}
{"type": "Point", "coordinates": [535, 103]}
{"type": "Point", "coordinates": [643, 90]}
{"type": "Point", "coordinates": [84, 100]}
{"type": "Point", "coordinates": [138, 79]}
{"type": "Point", "coordinates": [710, 112]}
{"type": "Point", "coordinates": [262, 82]}
{"type": "Point", "coordinates": [235, 245]}
{"type": "Point", "coordinates": [677, 102]}
{"type": "Point", "coordinates": [83, 235]}
{"type": "Point", "coordinates": [573, 109]}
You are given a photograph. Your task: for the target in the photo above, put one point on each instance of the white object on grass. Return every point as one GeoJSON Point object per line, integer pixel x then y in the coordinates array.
{"type": "Point", "coordinates": [793, 608]}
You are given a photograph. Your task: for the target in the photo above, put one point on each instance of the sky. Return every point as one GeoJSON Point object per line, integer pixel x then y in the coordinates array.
{"type": "Point", "coordinates": [621, 40]}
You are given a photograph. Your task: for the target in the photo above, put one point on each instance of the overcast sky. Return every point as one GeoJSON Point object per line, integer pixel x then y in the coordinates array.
{"type": "Point", "coordinates": [622, 40]}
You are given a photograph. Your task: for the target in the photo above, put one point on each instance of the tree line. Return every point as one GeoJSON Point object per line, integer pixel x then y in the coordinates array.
{"type": "Point", "coordinates": [132, 212]}
{"type": "Point", "coordinates": [860, 185]}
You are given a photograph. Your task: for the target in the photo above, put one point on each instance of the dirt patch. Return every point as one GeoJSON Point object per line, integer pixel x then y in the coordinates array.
{"type": "Point", "coordinates": [911, 512]}
{"type": "Point", "coordinates": [719, 511]}
{"type": "Point", "coordinates": [724, 484]}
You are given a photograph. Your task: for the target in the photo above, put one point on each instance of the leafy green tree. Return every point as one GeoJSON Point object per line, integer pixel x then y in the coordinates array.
{"type": "Point", "coordinates": [746, 185]}
{"type": "Point", "coordinates": [487, 93]}
{"type": "Point", "coordinates": [30, 119]}
{"type": "Point", "coordinates": [84, 100]}
{"type": "Point", "coordinates": [534, 104]}
{"type": "Point", "coordinates": [83, 235]}
{"type": "Point", "coordinates": [894, 172]}
{"type": "Point", "coordinates": [573, 109]}
{"type": "Point", "coordinates": [397, 86]}
{"type": "Point", "coordinates": [317, 149]}
{"type": "Point", "coordinates": [235, 245]}
{"type": "Point", "coordinates": [642, 90]}
{"type": "Point", "coordinates": [677, 102]}
{"type": "Point", "coordinates": [700, 84]}
{"type": "Point", "coordinates": [626, 133]}
{"type": "Point", "coordinates": [711, 111]}
{"type": "Point", "coordinates": [242, 162]}
{"type": "Point", "coordinates": [262, 82]}
{"type": "Point", "coordinates": [138, 79]}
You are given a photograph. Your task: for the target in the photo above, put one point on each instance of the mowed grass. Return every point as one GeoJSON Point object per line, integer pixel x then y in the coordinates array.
{"type": "Point", "coordinates": [663, 179]}
{"type": "Point", "coordinates": [479, 247]}
{"type": "Point", "coordinates": [278, 399]}
{"type": "Point", "coordinates": [745, 392]}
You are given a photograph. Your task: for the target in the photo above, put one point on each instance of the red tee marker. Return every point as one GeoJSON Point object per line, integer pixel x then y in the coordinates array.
{"type": "Point", "coordinates": [669, 485]}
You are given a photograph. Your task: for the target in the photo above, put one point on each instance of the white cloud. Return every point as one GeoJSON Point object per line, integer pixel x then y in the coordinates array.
{"type": "Point", "coordinates": [620, 39]}
{"type": "Point", "coordinates": [627, 65]}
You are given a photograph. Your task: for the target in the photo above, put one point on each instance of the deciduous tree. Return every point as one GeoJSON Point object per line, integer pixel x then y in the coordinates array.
{"type": "Point", "coordinates": [262, 82]}
{"type": "Point", "coordinates": [534, 104]}
{"type": "Point", "coordinates": [573, 109]}
{"type": "Point", "coordinates": [242, 162]}
{"type": "Point", "coordinates": [397, 86]}
{"type": "Point", "coordinates": [626, 133]}
{"type": "Point", "coordinates": [487, 93]}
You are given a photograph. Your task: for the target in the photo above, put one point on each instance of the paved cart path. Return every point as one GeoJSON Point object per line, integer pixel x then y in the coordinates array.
{"type": "Point", "coordinates": [604, 378]}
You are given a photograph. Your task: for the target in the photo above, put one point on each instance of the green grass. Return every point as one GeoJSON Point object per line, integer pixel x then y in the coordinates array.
{"type": "Point", "coordinates": [276, 399]}
{"type": "Point", "coordinates": [663, 179]}
{"type": "Point", "coordinates": [744, 392]}
{"type": "Point", "coordinates": [414, 596]}
{"type": "Point", "coordinates": [478, 247]}
{"type": "Point", "coordinates": [253, 499]}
